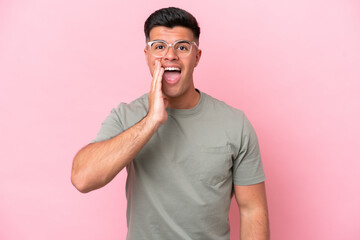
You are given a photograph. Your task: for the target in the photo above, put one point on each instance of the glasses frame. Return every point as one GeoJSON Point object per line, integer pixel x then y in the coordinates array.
{"type": "Point", "coordinates": [171, 45]}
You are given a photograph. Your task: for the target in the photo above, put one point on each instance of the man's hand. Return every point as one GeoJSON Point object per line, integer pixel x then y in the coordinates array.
{"type": "Point", "coordinates": [157, 102]}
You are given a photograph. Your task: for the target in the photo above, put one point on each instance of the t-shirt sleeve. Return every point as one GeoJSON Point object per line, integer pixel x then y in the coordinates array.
{"type": "Point", "coordinates": [111, 127]}
{"type": "Point", "coordinates": [247, 167]}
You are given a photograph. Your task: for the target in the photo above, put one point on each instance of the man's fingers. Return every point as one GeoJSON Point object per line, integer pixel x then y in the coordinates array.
{"type": "Point", "coordinates": [159, 79]}
{"type": "Point", "coordinates": [153, 82]}
{"type": "Point", "coordinates": [157, 76]}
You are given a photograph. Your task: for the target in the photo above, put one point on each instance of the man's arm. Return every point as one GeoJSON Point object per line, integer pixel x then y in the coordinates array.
{"type": "Point", "coordinates": [97, 164]}
{"type": "Point", "coordinates": [254, 220]}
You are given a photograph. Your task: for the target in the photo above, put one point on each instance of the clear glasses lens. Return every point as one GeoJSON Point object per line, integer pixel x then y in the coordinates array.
{"type": "Point", "coordinates": [181, 49]}
{"type": "Point", "coordinates": [159, 49]}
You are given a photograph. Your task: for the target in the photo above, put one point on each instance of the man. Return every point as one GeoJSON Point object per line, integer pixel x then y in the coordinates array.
{"type": "Point", "coordinates": [185, 152]}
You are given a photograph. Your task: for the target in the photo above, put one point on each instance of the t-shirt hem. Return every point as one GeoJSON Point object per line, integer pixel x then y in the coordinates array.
{"type": "Point", "coordinates": [249, 182]}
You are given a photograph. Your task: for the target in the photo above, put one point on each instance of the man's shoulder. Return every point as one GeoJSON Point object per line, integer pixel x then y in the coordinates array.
{"type": "Point", "coordinates": [142, 101]}
{"type": "Point", "coordinates": [139, 103]}
{"type": "Point", "coordinates": [221, 107]}
{"type": "Point", "coordinates": [135, 109]}
{"type": "Point", "coordinates": [231, 118]}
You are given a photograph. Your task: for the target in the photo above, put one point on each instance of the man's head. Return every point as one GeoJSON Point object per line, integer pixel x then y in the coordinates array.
{"type": "Point", "coordinates": [172, 17]}
{"type": "Point", "coordinates": [172, 37]}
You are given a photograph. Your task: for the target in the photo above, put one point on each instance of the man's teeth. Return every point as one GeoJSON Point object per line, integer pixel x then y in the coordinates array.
{"type": "Point", "coordinates": [172, 69]}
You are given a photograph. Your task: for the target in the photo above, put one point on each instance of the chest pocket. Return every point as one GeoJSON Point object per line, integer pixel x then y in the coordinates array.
{"type": "Point", "coordinates": [211, 165]}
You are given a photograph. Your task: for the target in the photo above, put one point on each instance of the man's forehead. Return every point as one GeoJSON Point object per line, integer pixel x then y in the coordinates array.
{"type": "Point", "coordinates": [174, 33]}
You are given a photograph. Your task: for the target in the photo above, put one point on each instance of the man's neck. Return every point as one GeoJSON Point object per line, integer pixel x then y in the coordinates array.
{"type": "Point", "coordinates": [187, 101]}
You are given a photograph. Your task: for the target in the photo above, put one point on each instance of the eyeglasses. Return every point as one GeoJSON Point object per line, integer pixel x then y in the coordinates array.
{"type": "Point", "coordinates": [181, 48]}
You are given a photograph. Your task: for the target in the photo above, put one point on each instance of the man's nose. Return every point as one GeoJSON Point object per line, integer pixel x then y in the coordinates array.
{"type": "Point", "coordinates": [171, 55]}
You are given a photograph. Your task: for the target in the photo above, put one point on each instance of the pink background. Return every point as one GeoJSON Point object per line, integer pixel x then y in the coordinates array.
{"type": "Point", "coordinates": [292, 66]}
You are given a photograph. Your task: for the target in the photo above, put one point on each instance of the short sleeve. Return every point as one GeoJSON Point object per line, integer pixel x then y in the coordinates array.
{"type": "Point", "coordinates": [247, 167]}
{"type": "Point", "coordinates": [110, 128]}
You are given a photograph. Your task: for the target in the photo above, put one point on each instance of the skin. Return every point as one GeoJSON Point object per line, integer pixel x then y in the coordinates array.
{"type": "Point", "coordinates": [254, 223]}
{"type": "Point", "coordinates": [96, 164]}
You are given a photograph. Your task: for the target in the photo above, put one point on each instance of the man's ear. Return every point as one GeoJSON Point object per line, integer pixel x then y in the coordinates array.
{"type": "Point", "coordinates": [198, 56]}
{"type": "Point", "coordinates": [146, 55]}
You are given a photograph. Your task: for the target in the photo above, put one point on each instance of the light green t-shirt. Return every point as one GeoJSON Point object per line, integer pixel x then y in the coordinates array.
{"type": "Point", "coordinates": [180, 184]}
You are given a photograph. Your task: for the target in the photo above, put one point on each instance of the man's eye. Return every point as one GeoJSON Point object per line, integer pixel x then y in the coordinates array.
{"type": "Point", "coordinates": [158, 47]}
{"type": "Point", "coordinates": [183, 48]}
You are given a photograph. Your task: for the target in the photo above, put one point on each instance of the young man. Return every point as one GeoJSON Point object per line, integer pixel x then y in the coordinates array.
{"type": "Point", "coordinates": [185, 152]}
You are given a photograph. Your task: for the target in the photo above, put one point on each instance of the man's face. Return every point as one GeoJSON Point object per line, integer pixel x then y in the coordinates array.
{"type": "Point", "coordinates": [174, 86]}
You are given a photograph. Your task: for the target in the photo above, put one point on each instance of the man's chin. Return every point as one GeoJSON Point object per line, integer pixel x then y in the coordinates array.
{"type": "Point", "coordinates": [171, 92]}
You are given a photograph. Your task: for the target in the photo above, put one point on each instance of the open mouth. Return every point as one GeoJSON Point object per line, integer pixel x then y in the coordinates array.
{"type": "Point", "coordinates": [172, 74]}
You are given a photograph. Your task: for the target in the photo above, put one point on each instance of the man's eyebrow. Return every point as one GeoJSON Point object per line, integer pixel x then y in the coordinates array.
{"type": "Point", "coordinates": [179, 40]}
{"type": "Point", "coordinates": [183, 40]}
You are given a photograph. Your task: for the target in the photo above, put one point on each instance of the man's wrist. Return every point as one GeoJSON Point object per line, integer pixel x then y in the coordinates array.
{"type": "Point", "coordinates": [152, 122]}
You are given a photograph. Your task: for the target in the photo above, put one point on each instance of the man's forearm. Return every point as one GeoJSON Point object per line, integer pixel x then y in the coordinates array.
{"type": "Point", "coordinates": [254, 225]}
{"type": "Point", "coordinates": [97, 164]}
